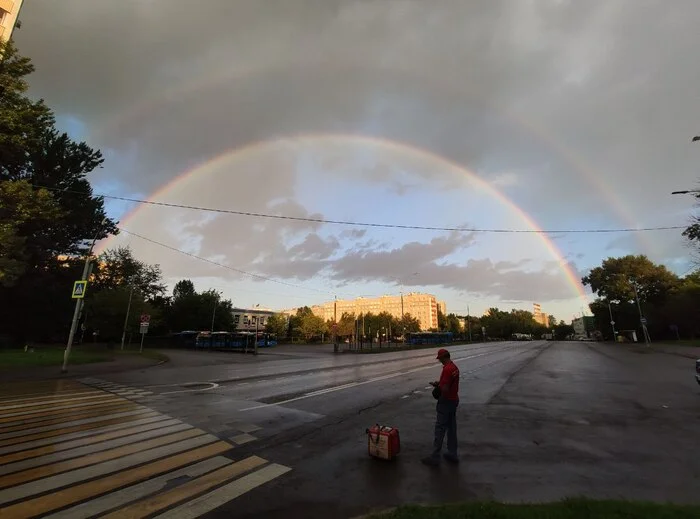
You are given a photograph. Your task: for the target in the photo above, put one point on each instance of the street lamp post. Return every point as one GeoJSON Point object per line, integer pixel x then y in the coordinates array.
{"type": "Point", "coordinates": [213, 315]}
{"type": "Point", "coordinates": [612, 321]}
{"type": "Point", "coordinates": [641, 316]}
{"type": "Point", "coordinates": [79, 302]}
{"type": "Point", "coordinates": [257, 320]}
{"type": "Point", "coordinates": [126, 319]}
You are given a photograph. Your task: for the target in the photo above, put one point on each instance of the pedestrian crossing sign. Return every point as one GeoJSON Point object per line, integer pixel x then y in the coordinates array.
{"type": "Point", "coordinates": [79, 288]}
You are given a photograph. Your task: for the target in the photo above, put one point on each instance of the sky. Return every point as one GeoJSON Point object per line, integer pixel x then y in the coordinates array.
{"type": "Point", "coordinates": [490, 115]}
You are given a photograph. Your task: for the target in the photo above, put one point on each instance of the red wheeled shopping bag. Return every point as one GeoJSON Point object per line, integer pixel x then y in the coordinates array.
{"type": "Point", "coordinates": [383, 442]}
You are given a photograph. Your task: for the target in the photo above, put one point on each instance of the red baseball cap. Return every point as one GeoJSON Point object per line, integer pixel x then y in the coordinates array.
{"type": "Point", "coordinates": [441, 353]}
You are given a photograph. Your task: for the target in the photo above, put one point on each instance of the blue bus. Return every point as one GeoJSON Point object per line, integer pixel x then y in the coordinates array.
{"type": "Point", "coordinates": [232, 340]}
{"type": "Point", "coordinates": [430, 338]}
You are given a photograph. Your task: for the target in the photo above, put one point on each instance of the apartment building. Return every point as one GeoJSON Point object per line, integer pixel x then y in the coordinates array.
{"type": "Point", "coordinates": [248, 319]}
{"type": "Point", "coordinates": [423, 307]}
{"type": "Point", "coordinates": [539, 316]}
{"type": "Point", "coordinates": [9, 10]}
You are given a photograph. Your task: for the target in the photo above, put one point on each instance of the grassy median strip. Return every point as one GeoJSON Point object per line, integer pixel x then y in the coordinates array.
{"type": "Point", "coordinates": [47, 357]}
{"type": "Point", "coordinates": [568, 509]}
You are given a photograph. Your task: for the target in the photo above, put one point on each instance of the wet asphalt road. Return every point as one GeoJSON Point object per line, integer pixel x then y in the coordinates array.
{"type": "Point", "coordinates": [537, 421]}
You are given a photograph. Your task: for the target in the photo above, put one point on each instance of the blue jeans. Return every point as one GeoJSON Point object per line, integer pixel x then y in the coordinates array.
{"type": "Point", "coordinates": [446, 422]}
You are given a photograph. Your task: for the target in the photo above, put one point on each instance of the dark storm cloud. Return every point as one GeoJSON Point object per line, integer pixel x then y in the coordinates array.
{"type": "Point", "coordinates": [575, 108]}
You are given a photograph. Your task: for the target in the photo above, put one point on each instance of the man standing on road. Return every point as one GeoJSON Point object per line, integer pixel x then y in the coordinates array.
{"type": "Point", "coordinates": [448, 401]}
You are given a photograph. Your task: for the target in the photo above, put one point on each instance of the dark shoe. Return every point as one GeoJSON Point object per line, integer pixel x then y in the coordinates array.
{"type": "Point", "coordinates": [451, 458]}
{"type": "Point", "coordinates": [431, 462]}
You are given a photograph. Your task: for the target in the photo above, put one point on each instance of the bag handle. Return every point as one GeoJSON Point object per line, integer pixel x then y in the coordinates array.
{"type": "Point", "coordinates": [379, 429]}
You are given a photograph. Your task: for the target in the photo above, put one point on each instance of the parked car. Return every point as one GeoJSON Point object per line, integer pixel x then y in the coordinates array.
{"type": "Point", "coordinates": [697, 371]}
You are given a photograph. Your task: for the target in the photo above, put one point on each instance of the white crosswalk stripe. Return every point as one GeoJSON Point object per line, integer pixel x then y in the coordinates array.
{"type": "Point", "coordinates": [70, 450]}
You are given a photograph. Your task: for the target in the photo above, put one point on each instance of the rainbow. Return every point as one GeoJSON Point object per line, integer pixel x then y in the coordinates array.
{"type": "Point", "coordinates": [392, 146]}
{"type": "Point", "coordinates": [145, 108]}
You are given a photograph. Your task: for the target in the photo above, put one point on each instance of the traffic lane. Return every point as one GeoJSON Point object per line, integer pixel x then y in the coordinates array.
{"type": "Point", "coordinates": [625, 423]}
{"type": "Point", "coordinates": [269, 391]}
{"type": "Point", "coordinates": [223, 412]}
{"type": "Point", "coordinates": [481, 378]}
{"type": "Point", "coordinates": [567, 423]}
{"type": "Point", "coordinates": [244, 367]}
{"type": "Point", "coordinates": [332, 453]}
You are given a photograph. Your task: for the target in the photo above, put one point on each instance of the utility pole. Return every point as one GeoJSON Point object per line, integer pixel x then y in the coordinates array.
{"type": "Point", "coordinates": [469, 324]}
{"type": "Point", "coordinates": [335, 324]}
{"type": "Point", "coordinates": [257, 320]}
{"type": "Point", "coordinates": [642, 320]}
{"type": "Point", "coordinates": [612, 322]}
{"type": "Point", "coordinates": [213, 315]}
{"type": "Point", "coordinates": [79, 302]}
{"type": "Point", "coordinates": [126, 319]}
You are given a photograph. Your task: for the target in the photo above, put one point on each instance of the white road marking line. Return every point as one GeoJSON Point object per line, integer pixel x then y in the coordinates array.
{"type": "Point", "coordinates": [28, 405]}
{"type": "Point", "coordinates": [100, 505]}
{"type": "Point", "coordinates": [362, 383]}
{"type": "Point", "coordinates": [107, 399]}
{"type": "Point", "coordinates": [46, 428]}
{"type": "Point", "coordinates": [212, 385]}
{"type": "Point", "coordinates": [100, 469]}
{"type": "Point", "coordinates": [51, 397]}
{"type": "Point", "coordinates": [90, 449]}
{"type": "Point", "coordinates": [150, 422]}
{"type": "Point", "coordinates": [222, 495]}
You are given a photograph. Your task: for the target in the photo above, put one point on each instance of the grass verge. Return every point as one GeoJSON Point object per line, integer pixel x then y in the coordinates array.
{"type": "Point", "coordinates": [48, 357]}
{"type": "Point", "coordinates": [568, 509]}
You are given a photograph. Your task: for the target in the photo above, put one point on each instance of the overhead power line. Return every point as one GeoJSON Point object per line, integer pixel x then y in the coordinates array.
{"type": "Point", "coordinates": [375, 224]}
{"type": "Point", "coordinates": [246, 273]}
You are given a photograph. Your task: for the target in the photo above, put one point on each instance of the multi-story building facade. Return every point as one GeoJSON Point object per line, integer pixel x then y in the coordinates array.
{"type": "Point", "coordinates": [9, 10]}
{"type": "Point", "coordinates": [423, 307]}
{"type": "Point", "coordinates": [540, 317]}
{"type": "Point", "coordinates": [584, 326]}
{"type": "Point", "coordinates": [247, 319]}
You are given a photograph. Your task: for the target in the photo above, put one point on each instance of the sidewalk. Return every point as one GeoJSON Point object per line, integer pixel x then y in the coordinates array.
{"type": "Point", "coordinates": [119, 364]}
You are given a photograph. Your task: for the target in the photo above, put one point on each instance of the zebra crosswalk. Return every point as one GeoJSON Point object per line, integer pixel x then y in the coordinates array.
{"type": "Point", "coordinates": [69, 450]}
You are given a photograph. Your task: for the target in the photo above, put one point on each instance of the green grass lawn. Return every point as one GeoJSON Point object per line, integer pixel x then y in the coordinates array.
{"type": "Point", "coordinates": [53, 356]}
{"type": "Point", "coordinates": [569, 509]}
{"type": "Point", "coordinates": [48, 357]}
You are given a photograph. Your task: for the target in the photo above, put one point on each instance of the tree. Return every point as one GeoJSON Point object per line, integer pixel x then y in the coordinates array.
{"type": "Point", "coordinates": [19, 204]}
{"type": "Point", "coordinates": [615, 280]}
{"type": "Point", "coordinates": [277, 325]}
{"type": "Point", "coordinates": [551, 321]}
{"type": "Point", "coordinates": [671, 305]}
{"type": "Point", "coordinates": [563, 331]}
{"type": "Point", "coordinates": [346, 325]}
{"type": "Point", "coordinates": [118, 268]}
{"type": "Point", "coordinates": [408, 324]}
{"type": "Point", "coordinates": [311, 326]}
{"type": "Point", "coordinates": [23, 122]}
{"type": "Point", "coordinates": [41, 256]}
{"type": "Point", "coordinates": [190, 310]}
{"type": "Point", "coordinates": [442, 320]}
{"type": "Point", "coordinates": [184, 288]}
{"type": "Point", "coordinates": [106, 311]}
{"type": "Point", "coordinates": [692, 232]}
{"type": "Point", "coordinates": [453, 324]}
